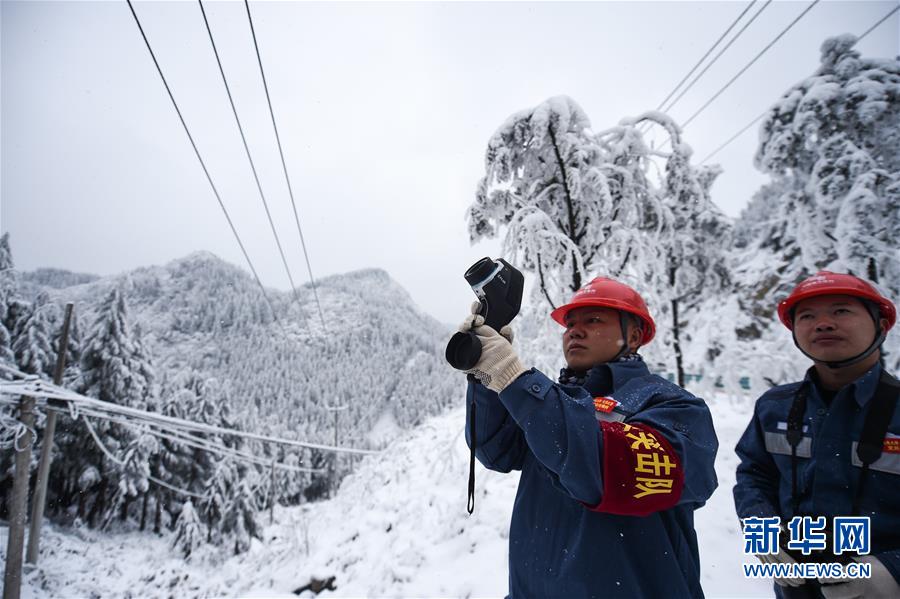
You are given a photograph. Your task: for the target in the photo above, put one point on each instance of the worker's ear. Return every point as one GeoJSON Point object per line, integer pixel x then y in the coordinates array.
{"type": "Point", "coordinates": [635, 334]}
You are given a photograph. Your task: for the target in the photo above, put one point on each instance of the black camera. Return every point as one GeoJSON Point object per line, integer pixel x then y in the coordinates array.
{"type": "Point", "coordinates": [498, 287]}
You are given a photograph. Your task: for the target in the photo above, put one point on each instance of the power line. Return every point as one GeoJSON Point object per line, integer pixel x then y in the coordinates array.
{"type": "Point", "coordinates": [200, 443]}
{"type": "Point", "coordinates": [708, 52]}
{"type": "Point", "coordinates": [122, 464]}
{"type": "Point", "coordinates": [203, 165]}
{"type": "Point", "coordinates": [721, 52]}
{"type": "Point", "coordinates": [284, 164]}
{"type": "Point", "coordinates": [882, 20]}
{"type": "Point", "coordinates": [750, 124]}
{"type": "Point", "coordinates": [749, 64]}
{"type": "Point", "coordinates": [735, 136]}
{"type": "Point", "coordinates": [42, 389]}
{"type": "Point", "coordinates": [252, 165]}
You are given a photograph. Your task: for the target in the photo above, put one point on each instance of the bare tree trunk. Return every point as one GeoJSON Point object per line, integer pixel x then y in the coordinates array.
{"type": "Point", "coordinates": [99, 503]}
{"type": "Point", "coordinates": [157, 518]}
{"type": "Point", "coordinates": [570, 208]}
{"type": "Point", "coordinates": [676, 333]}
{"type": "Point", "coordinates": [543, 286]}
{"type": "Point", "coordinates": [144, 510]}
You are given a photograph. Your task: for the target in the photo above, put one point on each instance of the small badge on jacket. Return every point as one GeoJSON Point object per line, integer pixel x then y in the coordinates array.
{"type": "Point", "coordinates": [605, 404]}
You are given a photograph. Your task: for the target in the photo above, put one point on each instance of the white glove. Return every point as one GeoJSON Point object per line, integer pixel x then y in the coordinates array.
{"type": "Point", "coordinates": [499, 365]}
{"type": "Point", "coordinates": [476, 320]}
{"type": "Point", "coordinates": [782, 557]}
{"type": "Point", "coordinates": [881, 585]}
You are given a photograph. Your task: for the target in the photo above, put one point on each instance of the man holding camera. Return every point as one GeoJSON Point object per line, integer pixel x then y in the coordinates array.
{"type": "Point", "coordinates": [614, 460]}
{"type": "Point", "coordinates": [829, 445]}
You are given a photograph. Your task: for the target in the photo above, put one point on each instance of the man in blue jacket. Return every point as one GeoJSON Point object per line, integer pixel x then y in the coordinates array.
{"type": "Point", "coordinates": [614, 460]}
{"type": "Point", "coordinates": [829, 445]}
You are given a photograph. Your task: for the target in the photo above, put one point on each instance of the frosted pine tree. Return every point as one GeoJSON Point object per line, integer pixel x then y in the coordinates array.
{"type": "Point", "coordinates": [32, 345]}
{"type": "Point", "coordinates": [180, 463]}
{"type": "Point", "coordinates": [114, 369]}
{"type": "Point", "coordinates": [134, 474]}
{"type": "Point", "coordinates": [189, 531]}
{"type": "Point", "coordinates": [230, 506]}
{"type": "Point", "coordinates": [74, 345]}
{"type": "Point", "coordinates": [8, 289]}
{"type": "Point", "coordinates": [830, 146]}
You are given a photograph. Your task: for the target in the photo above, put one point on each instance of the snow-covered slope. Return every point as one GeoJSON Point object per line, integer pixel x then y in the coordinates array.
{"type": "Point", "coordinates": [398, 527]}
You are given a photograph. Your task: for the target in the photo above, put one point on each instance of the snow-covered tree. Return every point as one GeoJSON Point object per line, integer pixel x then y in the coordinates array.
{"type": "Point", "coordinates": [830, 145]}
{"type": "Point", "coordinates": [8, 289]}
{"type": "Point", "coordinates": [578, 204]}
{"type": "Point", "coordinates": [73, 349]}
{"type": "Point", "coordinates": [695, 240]}
{"type": "Point", "coordinates": [189, 531]}
{"type": "Point", "coordinates": [230, 505]}
{"type": "Point", "coordinates": [32, 344]}
{"type": "Point", "coordinates": [115, 365]}
{"type": "Point", "coordinates": [543, 183]}
{"type": "Point", "coordinates": [114, 369]}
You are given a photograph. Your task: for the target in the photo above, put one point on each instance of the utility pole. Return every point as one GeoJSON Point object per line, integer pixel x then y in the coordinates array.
{"type": "Point", "coordinates": [12, 578]}
{"type": "Point", "coordinates": [333, 465]}
{"type": "Point", "coordinates": [40, 492]}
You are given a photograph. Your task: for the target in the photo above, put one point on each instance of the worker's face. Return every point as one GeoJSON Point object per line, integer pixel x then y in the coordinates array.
{"type": "Point", "coordinates": [593, 336]}
{"type": "Point", "coordinates": [831, 328]}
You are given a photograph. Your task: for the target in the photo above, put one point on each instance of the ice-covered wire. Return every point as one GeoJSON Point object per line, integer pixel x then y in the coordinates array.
{"type": "Point", "coordinates": [100, 444]}
{"type": "Point", "coordinates": [205, 170]}
{"type": "Point", "coordinates": [45, 390]}
{"type": "Point", "coordinates": [253, 167]}
{"type": "Point", "coordinates": [750, 124]}
{"type": "Point", "coordinates": [203, 444]}
{"type": "Point", "coordinates": [115, 460]}
{"type": "Point", "coordinates": [14, 371]}
{"type": "Point", "coordinates": [749, 64]}
{"type": "Point", "coordinates": [262, 73]}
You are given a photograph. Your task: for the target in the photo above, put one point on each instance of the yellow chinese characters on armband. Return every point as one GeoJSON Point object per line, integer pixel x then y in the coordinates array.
{"type": "Point", "coordinates": [642, 473]}
{"type": "Point", "coordinates": [651, 459]}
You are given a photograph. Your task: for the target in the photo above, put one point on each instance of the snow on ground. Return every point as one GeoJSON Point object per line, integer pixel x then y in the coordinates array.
{"type": "Point", "coordinates": [397, 527]}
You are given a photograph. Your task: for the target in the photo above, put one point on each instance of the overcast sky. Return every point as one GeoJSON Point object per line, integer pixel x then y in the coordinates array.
{"type": "Point", "coordinates": [384, 111]}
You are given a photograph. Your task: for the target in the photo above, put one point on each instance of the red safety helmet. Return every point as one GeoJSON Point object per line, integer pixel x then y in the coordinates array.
{"type": "Point", "coordinates": [607, 293]}
{"type": "Point", "coordinates": [830, 283]}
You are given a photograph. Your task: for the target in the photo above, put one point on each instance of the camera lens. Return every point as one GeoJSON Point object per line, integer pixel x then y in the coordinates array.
{"type": "Point", "coordinates": [479, 271]}
{"type": "Point", "coordinates": [463, 351]}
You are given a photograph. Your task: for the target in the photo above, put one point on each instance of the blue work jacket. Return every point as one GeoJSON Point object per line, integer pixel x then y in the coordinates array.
{"type": "Point", "coordinates": [828, 467]}
{"type": "Point", "coordinates": [558, 546]}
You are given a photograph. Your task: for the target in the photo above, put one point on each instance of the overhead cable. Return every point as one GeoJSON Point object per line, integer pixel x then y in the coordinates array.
{"type": "Point", "coordinates": [721, 52]}
{"type": "Point", "coordinates": [284, 164]}
{"type": "Point", "coordinates": [203, 164]}
{"type": "Point", "coordinates": [42, 389]}
{"type": "Point", "coordinates": [122, 464]}
{"type": "Point", "coordinates": [749, 64]}
{"type": "Point", "coordinates": [708, 52]}
{"type": "Point", "coordinates": [252, 165]}
{"type": "Point", "coordinates": [882, 20]}
{"type": "Point", "coordinates": [750, 124]}
{"type": "Point", "coordinates": [177, 436]}
{"type": "Point", "coordinates": [735, 136]}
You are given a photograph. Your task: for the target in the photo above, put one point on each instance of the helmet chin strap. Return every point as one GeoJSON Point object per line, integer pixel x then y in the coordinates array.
{"type": "Point", "coordinates": [625, 349]}
{"type": "Point", "coordinates": [876, 343]}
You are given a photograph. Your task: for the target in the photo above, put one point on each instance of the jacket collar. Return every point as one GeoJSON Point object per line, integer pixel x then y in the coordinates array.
{"type": "Point", "coordinates": [862, 389]}
{"type": "Point", "coordinates": [605, 379]}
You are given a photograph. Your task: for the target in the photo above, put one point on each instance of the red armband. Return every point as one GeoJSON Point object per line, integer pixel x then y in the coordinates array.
{"type": "Point", "coordinates": [642, 473]}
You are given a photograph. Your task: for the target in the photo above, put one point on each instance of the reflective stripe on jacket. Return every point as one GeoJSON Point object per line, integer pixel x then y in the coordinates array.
{"type": "Point", "coordinates": [828, 469]}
